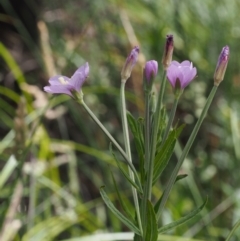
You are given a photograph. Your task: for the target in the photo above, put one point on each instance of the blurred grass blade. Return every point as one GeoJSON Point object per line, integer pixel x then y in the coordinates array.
{"type": "Point", "coordinates": [13, 66]}
{"type": "Point", "coordinates": [10, 224]}
{"type": "Point", "coordinates": [7, 170]}
{"type": "Point", "coordinates": [236, 226]}
{"type": "Point", "coordinates": [110, 205]}
{"type": "Point", "coordinates": [235, 132]}
{"type": "Point", "coordinates": [182, 220]}
{"type": "Point", "coordinates": [10, 94]}
{"type": "Point", "coordinates": [48, 229]}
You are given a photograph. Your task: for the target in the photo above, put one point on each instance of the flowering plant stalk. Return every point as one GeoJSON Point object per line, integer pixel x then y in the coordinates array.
{"type": "Point", "coordinates": [154, 138]}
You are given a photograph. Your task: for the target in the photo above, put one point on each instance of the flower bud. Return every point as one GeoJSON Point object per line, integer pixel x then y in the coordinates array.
{"type": "Point", "coordinates": [150, 71]}
{"type": "Point", "coordinates": [168, 51]}
{"type": "Point", "coordinates": [221, 66]}
{"type": "Point", "coordinates": [130, 62]}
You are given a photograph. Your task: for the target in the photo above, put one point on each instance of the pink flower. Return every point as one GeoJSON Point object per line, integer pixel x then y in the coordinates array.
{"type": "Point", "coordinates": [70, 86]}
{"type": "Point", "coordinates": [181, 74]}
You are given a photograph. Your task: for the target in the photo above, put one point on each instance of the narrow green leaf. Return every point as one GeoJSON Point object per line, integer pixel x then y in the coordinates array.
{"type": "Point", "coordinates": [132, 124]}
{"type": "Point", "coordinates": [182, 220]}
{"type": "Point", "coordinates": [141, 150]}
{"type": "Point", "coordinates": [236, 226]}
{"type": "Point", "coordinates": [140, 127]}
{"type": "Point", "coordinates": [179, 177]}
{"type": "Point", "coordinates": [137, 133]}
{"type": "Point", "coordinates": [163, 156]}
{"type": "Point", "coordinates": [156, 206]}
{"type": "Point", "coordinates": [162, 125]}
{"type": "Point", "coordinates": [125, 173]}
{"type": "Point", "coordinates": [110, 205]}
{"type": "Point", "coordinates": [123, 204]}
{"type": "Point", "coordinates": [152, 229]}
{"type": "Point", "coordinates": [138, 140]}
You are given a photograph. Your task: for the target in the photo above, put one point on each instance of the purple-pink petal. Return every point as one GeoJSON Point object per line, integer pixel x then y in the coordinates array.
{"type": "Point", "coordinates": [59, 89]}
{"type": "Point", "coordinates": [188, 77]}
{"type": "Point", "coordinates": [185, 63]}
{"type": "Point", "coordinates": [80, 76]}
{"type": "Point", "coordinates": [184, 72]}
{"type": "Point", "coordinates": [63, 85]}
{"type": "Point", "coordinates": [174, 62]}
{"type": "Point", "coordinates": [174, 73]}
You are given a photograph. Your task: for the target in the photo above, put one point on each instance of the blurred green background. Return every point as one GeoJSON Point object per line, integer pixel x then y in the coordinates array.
{"type": "Point", "coordinates": [56, 196]}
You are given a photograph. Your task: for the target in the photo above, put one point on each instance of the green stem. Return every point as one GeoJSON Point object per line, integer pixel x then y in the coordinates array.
{"type": "Point", "coordinates": [154, 138]}
{"type": "Point", "coordinates": [148, 184]}
{"type": "Point", "coordinates": [185, 152]}
{"type": "Point", "coordinates": [236, 226]}
{"type": "Point", "coordinates": [111, 138]}
{"type": "Point", "coordinates": [146, 152]}
{"type": "Point", "coordinates": [128, 149]}
{"type": "Point", "coordinates": [170, 120]}
{"type": "Point", "coordinates": [147, 131]}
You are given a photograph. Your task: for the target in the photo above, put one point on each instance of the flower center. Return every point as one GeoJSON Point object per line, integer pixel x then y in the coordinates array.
{"type": "Point", "coordinates": [62, 80]}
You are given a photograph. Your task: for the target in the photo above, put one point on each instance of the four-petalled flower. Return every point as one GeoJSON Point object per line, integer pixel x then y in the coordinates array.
{"type": "Point", "coordinates": [71, 86]}
{"type": "Point", "coordinates": [181, 74]}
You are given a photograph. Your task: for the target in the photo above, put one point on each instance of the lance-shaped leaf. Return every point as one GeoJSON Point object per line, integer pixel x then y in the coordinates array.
{"type": "Point", "coordinates": [152, 230]}
{"type": "Point", "coordinates": [123, 204]}
{"type": "Point", "coordinates": [161, 127]}
{"type": "Point", "coordinates": [138, 139]}
{"type": "Point", "coordinates": [182, 220]}
{"type": "Point", "coordinates": [136, 127]}
{"type": "Point", "coordinates": [163, 156]}
{"type": "Point", "coordinates": [179, 177]}
{"type": "Point", "coordinates": [119, 215]}
{"type": "Point", "coordinates": [126, 175]}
